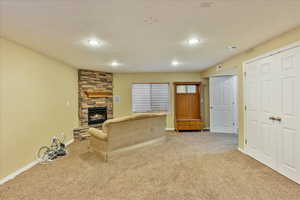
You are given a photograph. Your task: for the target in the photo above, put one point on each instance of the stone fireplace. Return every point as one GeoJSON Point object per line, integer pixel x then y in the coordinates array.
{"type": "Point", "coordinates": [95, 100]}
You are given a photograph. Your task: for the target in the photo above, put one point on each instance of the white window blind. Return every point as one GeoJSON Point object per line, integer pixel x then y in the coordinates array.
{"type": "Point", "coordinates": [150, 97]}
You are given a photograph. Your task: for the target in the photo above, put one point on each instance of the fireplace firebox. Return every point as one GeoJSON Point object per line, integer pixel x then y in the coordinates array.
{"type": "Point", "coordinates": [97, 115]}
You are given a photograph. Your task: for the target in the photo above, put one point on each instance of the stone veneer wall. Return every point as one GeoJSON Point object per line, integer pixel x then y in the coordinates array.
{"type": "Point", "coordinates": [91, 81]}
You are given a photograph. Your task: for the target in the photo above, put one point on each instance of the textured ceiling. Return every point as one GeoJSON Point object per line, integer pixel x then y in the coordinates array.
{"type": "Point", "coordinates": [144, 35]}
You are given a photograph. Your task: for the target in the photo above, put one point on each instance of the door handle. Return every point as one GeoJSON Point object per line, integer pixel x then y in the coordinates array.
{"type": "Point", "coordinates": [272, 118]}
{"type": "Point", "coordinates": [278, 119]}
{"type": "Point", "coordinates": [275, 118]}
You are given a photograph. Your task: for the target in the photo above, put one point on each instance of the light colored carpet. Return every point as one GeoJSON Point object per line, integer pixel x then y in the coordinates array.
{"type": "Point", "coordinates": [189, 166]}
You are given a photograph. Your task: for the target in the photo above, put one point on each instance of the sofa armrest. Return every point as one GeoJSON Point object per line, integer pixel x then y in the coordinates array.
{"type": "Point", "coordinates": [98, 134]}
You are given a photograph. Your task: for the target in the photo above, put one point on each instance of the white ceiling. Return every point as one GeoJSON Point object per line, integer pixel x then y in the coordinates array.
{"type": "Point", "coordinates": [144, 35]}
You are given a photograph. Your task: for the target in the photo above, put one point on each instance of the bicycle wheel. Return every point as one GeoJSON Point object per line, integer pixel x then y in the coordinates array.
{"type": "Point", "coordinates": [43, 154]}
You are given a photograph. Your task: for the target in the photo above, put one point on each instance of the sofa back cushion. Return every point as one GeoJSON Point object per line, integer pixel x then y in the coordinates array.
{"type": "Point", "coordinates": [134, 131]}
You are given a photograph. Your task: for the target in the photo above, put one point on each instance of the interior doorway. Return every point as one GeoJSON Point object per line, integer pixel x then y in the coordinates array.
{"type": "Point", "coordinates": [223, 104]}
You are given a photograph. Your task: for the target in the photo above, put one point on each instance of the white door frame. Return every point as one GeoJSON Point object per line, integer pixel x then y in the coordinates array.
{"type": "Point", "coordinates": [235, 107]}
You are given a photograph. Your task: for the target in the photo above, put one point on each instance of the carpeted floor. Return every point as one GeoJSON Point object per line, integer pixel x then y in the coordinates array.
{"type": "Point", "coordinates": [198, 166]}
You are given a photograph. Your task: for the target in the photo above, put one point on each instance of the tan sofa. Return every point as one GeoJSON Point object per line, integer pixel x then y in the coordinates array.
{"type": "Point", "coordinates": [128, 132]}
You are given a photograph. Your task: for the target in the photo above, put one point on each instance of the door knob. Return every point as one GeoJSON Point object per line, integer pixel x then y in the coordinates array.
{"type": "Point", "coordinates": [272, 118]}
{"type": "Point", "coordinates": [278, 119]}
{"type": "Point", "coordinates": [275, 118]}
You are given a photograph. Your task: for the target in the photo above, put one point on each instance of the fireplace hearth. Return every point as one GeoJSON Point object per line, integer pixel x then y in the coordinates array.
{"type": "Point", "coordinates": [97, 115]}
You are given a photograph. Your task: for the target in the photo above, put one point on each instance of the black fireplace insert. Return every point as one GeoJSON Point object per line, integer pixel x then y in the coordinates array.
{"type": "Point", "coordinates": [97, 115]}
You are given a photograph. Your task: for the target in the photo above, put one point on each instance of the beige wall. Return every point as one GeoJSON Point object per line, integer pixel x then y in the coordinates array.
{"type": "Point", "coordinates": [122, 87]}
{"type": "Point", "coordinates": [34, 91]}
{"type": "Point", "coordinates": [234, 66]}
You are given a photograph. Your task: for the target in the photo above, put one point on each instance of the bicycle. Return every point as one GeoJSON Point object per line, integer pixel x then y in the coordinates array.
{"type": "Point", "coordinates": [56, 149]}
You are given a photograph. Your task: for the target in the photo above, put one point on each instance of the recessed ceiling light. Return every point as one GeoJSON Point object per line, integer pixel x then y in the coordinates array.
{"type": "Point", "coordinates": [115, 64]}
{"type": "Point", "coordinates": [175, 63]}
{"type": "Point", "coordinates": [94, 42]}
{"type": "Point", "coordinates": [193, 41]}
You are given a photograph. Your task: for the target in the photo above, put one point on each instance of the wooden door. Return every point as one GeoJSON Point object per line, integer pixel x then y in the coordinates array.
{"type": "Point", "coordinates": [187, 106]}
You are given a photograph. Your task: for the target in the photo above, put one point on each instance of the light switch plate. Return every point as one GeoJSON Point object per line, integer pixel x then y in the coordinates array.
{"type": "Point", "coordinates": [117, 99]}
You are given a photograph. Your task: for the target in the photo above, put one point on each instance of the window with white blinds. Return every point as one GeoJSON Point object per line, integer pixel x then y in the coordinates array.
{"type": "Point", "coordinates": [150, 97]}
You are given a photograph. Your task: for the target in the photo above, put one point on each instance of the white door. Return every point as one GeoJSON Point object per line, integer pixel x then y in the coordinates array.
{"type": "Point", "coordinates": [261, 105]}
{"type": "Point", "coordinates": [223, 104]}
{"type": "Point", "coordinates": [252, 107]}
{"type": "Point", "coordinates": [289, 133]}
{"type": "Point", "coordinates": [272, 94]}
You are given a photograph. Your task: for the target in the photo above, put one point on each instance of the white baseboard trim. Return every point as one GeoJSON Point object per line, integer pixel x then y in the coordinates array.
{"type": "Point", "coordinates": [242, 150]}
{"type": "Point", "coordinates": [69, 142]}
{"type": "Point", "coordinates": [170, 129]}
{"type": "Point", "coordinates": [19, 171]}
{"type": "Point", "coordinates": [25, 168]}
